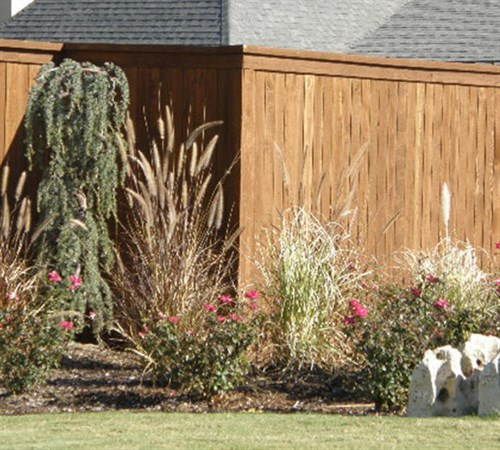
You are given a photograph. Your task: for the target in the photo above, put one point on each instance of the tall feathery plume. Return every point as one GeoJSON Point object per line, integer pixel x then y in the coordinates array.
{"type": "Point", "coordinates": [445, 208]}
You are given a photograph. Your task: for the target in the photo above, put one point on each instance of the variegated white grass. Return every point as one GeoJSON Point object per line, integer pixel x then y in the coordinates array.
{"type": "Point", "coordinates": [461, 280]}
{"type": "Point", "coordinates": [455, 263]}
{"type": "Point", "coordinates": [309, 272]}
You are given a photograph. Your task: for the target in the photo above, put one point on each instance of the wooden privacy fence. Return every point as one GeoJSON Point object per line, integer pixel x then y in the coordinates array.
{"type": "Point", "coordinates": [381, 135]}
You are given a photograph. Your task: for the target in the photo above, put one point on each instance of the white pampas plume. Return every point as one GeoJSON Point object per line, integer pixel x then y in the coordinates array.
{"type": "Point", "coordinates": [445, 208]}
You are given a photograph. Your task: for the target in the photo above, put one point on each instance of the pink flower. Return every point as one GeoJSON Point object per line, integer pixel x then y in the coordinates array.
{"type": "Point", "coordinates": [162, 316]}
{"type": "Point", "coordinates": [251, 295]}
{"type": "Point", "coordinates": [348, 320]}
{"type": "Point", "coordinates": [92, 315]}
{"type": "Point", "coordinates": [221, 319]}
{"type": "Point", "coordinates": [253, 306]}
{"type": "Point", "coordinates": [497, 245]}
{"type": "Point", "coordinates": [234, 317]}
{"type": "Point", "coordinates": [54, 277]}
{"type": "Point", "coordinates": [375, 287]}
{"type": "Point", "coordinates": [416, 292]}
{"type": "Point", "coordinates": [189, 332]}
{"type": "Point", "coordinates": [497, 282]}
{"type": "Point", "coordinates": [173, 319]}
{"type": "Point", "coordinates": [145, 328]}
{"type": "Point", "coordinates": [140, 334]}
{"type": "Point", "coordinates": [75, 282]}
{"type": "Point", "coordinates": [354, 303]}
{"type": "Point", "coordinates": [441, 304]}
{"type": "Point", "coordinates": [225, 299]}
{"type": "Point", "coordinates": [431, 278]}
{"type": "Point", "coordinates": [360, 311]}
{"type": "Point", "coordinates": [209, 307]}
{"type": "Point", "coordinates": [66, 324]}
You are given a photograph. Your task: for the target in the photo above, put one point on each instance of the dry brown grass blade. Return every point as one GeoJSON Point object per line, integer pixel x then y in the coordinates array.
{"type": "Point", "coordinates": [206, 156]}
{"type": "Point", "coordinates": [198, 131]}
{"type": "Point", "coordinates": [193, 160]}
{"type": "Point", "coordinates": [20, 186]}
{"type": "Point", "coordinates": [5, 180]}
{"type": "Point", "coordinates": [170, 129]}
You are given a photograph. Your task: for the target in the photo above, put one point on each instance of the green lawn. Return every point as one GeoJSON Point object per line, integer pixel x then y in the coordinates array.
{"type": "Point", "coordinates": [127, 430]}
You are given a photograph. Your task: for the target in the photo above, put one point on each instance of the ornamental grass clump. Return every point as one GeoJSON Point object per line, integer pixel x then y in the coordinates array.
{"type": "Point", "coordinates": [74, 119]}
{"type": "Point", "coordinates": [308, 270]}
{"type": "Point", "coordinates": [174, 251]}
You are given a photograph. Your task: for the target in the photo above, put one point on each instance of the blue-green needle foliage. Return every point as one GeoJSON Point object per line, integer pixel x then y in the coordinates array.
{"type": "Point", "coordinates": [74, 123]}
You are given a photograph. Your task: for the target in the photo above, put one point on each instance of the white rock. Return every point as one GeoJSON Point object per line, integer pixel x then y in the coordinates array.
{"type": "Point", "coordinates": [478, 351]}
{"type": "Point", "coordinates": [489, 388]}
{"type": "Point", "coordinates": [449, 382]}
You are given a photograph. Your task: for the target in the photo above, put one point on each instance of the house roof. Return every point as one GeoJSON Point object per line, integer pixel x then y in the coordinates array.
{"type": "Point", "coordinates": [190, 22]}
{"type": "Point", "coordinates": [446, 30]}
{"type": "Point", "coordinates": [324, 25]}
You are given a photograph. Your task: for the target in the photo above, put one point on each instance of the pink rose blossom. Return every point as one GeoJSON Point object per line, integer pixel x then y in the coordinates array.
{"type": "Point", "coordinates": [497, 245]}
{"type": "Point", "coordinates": [189, 332]}
{"type": "Point", "coordinates": [348, 320]}
{"type": "Point", "coordinates": [162, 316]}
{"type": "Point", "coordinates": [431, 278]}
{"type": "Point", "coordinates": [251, 295]}
{"type": "Point", "coordinates": [209, 307]}
{"type": "Point", "coordinates": [173, 320]}
{"type": "Point", "coordinates": [234, 317]}
{"type": "Point", "coordinates": [54, 277]}
{"type": "Point", "coordinates": [360, 311]}
{"type": "Point", "coordinates": [140, 334]}
{"type": "Point", "coordinates": [497, 282]}
{"type": "Point", "coordinates": [416, 292]}
{"type": "Point", "coordinates": [225, 299]}
{"type": "Point", "coordinates": [441, 303]}
{"type": "Point", "coordinates": [354, 302]}
{"type": "Point", "coordinates": [66, 324]}
{"type": "Point", "coordinates": [75, 282]}
{"type": "Point", "coordinates": [221, 319]}
{"type": "Point", "coordinates": [92, 315]}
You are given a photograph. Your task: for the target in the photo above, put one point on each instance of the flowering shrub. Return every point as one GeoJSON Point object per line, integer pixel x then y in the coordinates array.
{"type": "Point", "coordinates": [205, 361]}
{"type": "Point", "coordinates": [401, 323]}
{"type": "Point", "coordinates": [32, 334]}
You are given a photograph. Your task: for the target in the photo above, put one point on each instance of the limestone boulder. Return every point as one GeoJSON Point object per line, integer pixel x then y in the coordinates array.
{"type": "Point", "coordinates": [452, 382]}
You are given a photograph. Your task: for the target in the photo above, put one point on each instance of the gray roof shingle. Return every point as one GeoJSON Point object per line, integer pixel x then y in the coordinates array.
{"type": "Point", "coordinates": [190, 22]}
{"type": "Point", "coordinates": [444, 30]}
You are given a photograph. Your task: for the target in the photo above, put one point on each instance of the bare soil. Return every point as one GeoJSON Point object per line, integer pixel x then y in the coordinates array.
{"type": "Point", "coordinates": [93, 378]}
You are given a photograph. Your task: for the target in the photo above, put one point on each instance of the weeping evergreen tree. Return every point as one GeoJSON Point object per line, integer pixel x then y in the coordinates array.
{"type": "Point", "coordinates": [74, 120]}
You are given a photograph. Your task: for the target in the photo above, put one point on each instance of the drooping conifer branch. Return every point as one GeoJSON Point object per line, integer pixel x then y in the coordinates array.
{"type": "Point", "coordinates": [74, 118]}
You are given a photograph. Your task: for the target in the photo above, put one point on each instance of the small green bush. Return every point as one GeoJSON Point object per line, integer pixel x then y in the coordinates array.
{"type": "Point", "coordinates": [400, 323]}
{"type": "Point", "coordinates": [206, 361]}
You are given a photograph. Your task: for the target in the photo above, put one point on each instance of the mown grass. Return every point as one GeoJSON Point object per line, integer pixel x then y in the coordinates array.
{"type": "Point", "coordinates": [128, 430]}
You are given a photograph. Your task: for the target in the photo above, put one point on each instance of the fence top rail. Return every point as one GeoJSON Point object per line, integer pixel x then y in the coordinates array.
{"type": "Point", "coordinates": [260, 58]}
{"type": "Point", "coordinates": [310, 55]}
{"type": "Point", "coordinates": [358, 66]}
{"type": "Point", "coordinates": [29, 46]}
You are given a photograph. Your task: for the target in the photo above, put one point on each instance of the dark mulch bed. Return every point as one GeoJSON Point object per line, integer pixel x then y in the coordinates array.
{"type": "Point", "coordinates": [93, 378]}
